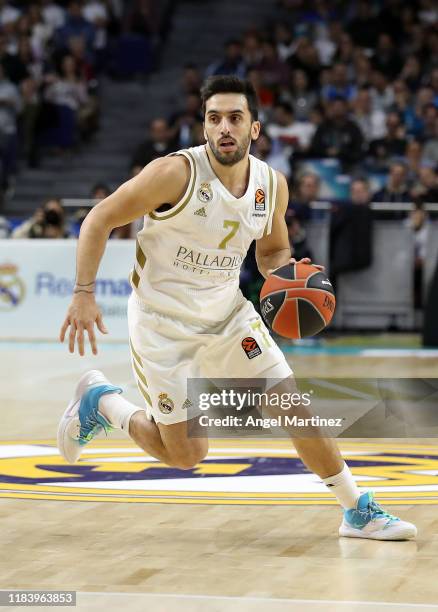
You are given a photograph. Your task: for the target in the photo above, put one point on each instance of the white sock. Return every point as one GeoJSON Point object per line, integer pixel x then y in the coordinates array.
{"type": "Point", "coordinates": [117, 410]}
{"type": "Point", "coordinates": [342, 485]}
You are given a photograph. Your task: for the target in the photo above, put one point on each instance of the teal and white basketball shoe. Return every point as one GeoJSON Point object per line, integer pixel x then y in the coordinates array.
{"type": "Point", "coordinates": [82, 421]}
{"type": "Point", "coordinates": [369, 520]}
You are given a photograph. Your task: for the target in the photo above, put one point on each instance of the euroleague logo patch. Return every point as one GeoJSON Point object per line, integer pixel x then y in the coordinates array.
{"type": "Point", "coordinates": [251, 347]}
{"type": "Point", "coordinates": [260, 200]}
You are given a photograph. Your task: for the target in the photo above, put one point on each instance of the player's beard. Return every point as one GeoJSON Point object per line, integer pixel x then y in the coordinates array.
{"type": "Point", "coordinates": [229, 159]}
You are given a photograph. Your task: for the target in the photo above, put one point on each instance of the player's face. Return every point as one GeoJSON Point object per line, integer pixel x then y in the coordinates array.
{"type": "Point", "coordinates": [229, 128]}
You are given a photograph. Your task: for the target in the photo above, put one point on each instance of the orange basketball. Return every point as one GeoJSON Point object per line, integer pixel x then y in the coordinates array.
{"type": "Point", "coordinates": [297, 300]}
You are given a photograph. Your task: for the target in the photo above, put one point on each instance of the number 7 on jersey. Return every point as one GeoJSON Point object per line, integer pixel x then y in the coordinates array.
{"type": "Point", "coordinates": [234, 225]}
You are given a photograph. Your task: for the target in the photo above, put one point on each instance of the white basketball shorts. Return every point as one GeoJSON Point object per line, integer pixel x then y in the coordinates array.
{"type": "Point", "coordinates": [166, 352]}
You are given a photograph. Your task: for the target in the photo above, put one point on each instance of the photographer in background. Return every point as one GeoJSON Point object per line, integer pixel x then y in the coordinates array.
{"type": "Point", "coordinates": [46, 222]}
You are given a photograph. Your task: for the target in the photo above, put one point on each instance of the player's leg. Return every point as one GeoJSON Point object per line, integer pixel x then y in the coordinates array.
{"type": "Point", "coordinates": [363, 517]}
{"type": "Point", "coordinates": [232, 354]}
{"type": "Point", "coordinates": [172, 444]}
{"type": "Point", "coordinates": [161, 352]}
{"type": "Point", "coordinates": [99, 406]}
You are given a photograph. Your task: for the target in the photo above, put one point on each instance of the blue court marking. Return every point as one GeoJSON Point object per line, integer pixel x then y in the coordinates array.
{"type": "Point", "coordinates": [289, 349]}
{"type": "Point", "coordinates": [321, 350]}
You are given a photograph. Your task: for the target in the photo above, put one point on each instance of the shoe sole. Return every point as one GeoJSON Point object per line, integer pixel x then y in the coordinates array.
{"type": "Point", "coordinates": [72, 454]}
{"type": "Point", "coordinates": [399, 534]}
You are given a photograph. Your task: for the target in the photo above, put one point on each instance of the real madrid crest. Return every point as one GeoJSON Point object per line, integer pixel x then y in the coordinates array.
{"type": "Point", "coordinates": [165, 404]}
{"type": "Point", "coordinates": [205, 193]}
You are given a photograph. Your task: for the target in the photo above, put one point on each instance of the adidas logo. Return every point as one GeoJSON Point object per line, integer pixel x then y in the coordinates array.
{"type": "Point", "coordinates": [200, 212]}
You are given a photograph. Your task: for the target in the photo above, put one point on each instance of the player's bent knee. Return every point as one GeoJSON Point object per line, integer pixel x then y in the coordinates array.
{"type": "Point", "coordinates": [188, 457]}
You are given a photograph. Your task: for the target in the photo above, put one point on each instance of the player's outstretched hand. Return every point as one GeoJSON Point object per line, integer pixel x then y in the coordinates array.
{"type": "Point", "coordinates": [82, 314]}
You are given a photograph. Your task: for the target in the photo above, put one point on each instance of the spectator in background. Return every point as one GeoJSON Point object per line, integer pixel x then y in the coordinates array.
{"type": "Point", "coordinates": [75, 25]}
{"type": "Point", "coordinates": [263, 149]}
{"type": "Point", "coordinates": [364, 27]}
{"type": "Point", "coordinates": [53, 14]}
{"type": "Point", "coordinates": [99, 192]}
{"type": "Point", "coordinates": [351, 228]}
{"type": "Point", "coordinates": [418, 222]}
{"type": "Point", "coordinates": [371, 122]}
{"type": "Point", "coordinates": [284, 41]}
{"type": "Point", "coordinates": [382, 92]}
{"type": "Point", "coordinates": [232, 62]}
{"type": "Point", "coordinates": [427, 186]}
{"type": "Point", "coordinates": [411, 72]}
{"type": "Point", "coordinates": [338, 85]}
{"type": "Point", "coordinates": [306, 58]}
{"type": "Point", "coordinates": [293, 136]}
{"type": "Point", "coordinates": [429, 116]}
{"type": "Point", "coordinates": [273, 71]}
{"type": "Point", "coordinates": [46, 222]}
{"type": "Point", "coordinates": [302, 98]}
{"type": "Point", "coordinates": [10, 107]}
{"type": "Point", "coordinates": [413, 159]}
{"type": "Point", "coordinates": [393, 144]}
{"type": "Point", "coordinates": [265, 95]}
{"type": "Point", "coordinates": [183, 122]}
{"type": "Point", "coordinates": [306, 192]}
{"type": "Point", "coordinates": [403, 104]}
{"type": "Point", "coordinates": [362, 69]}
{"type": "Point", "coordinates": [252, 51]}
{"type": "Point", "coordinates": [96, 13]}
{"type": "Point", "coordinates": [191, 79]}
{"type": "Point", "coordinates": [396, 189]}
{"type": "Point", "coordinates": [338, 136]}
{"type": "Point", "coordinates": [29, 121]}
{"type": "Point", "coordinates": [8, 13]}
{"type": "Point", "coordinates": [140, 18]}
{"type": "Point", "coordinates": [386, 58]}
{"type": "Point", "coordinates": [430, 150]}
{"type": "Point", "coordinates": [360, 194]}
{"type": "Point", "coordinates": [67, 92]}
{"type": "Point", "coordinates": [158, 144]}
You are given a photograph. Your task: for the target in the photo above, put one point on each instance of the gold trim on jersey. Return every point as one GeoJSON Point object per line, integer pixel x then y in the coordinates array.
{"type": "Point", "coordinates": [139, 255]}
{"type": "Point", "coordinates": [144, 393]}
{"type": "Point", "coordinates": [140, 378]}
{"type": "Point", "coordinates": [135, 278]}
{"type": "Point", "coordinates": [270, 198]}
{"type": "Point", "coordinates": [189, 191]}
{"type": "Point", "coordinates": [141, 260]}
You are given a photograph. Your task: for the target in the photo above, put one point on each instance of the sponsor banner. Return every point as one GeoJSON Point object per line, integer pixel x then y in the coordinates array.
{"type": "Point", "coordinates": [36, 284]}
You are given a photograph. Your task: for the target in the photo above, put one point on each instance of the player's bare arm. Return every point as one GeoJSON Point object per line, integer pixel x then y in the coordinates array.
{"type": "Point", "coordinates": [274, 250]}
{"type": "Point", "coordinates": [163, 181]}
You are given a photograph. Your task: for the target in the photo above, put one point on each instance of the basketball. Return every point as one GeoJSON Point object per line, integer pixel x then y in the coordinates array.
{"type": "Point", "coordinates": [297, 301]}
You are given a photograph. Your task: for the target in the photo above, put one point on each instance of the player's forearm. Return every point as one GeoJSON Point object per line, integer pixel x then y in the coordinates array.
{"type": "Point", "coordinates": [91, 246]}
{"type": "Point", "coordinates": [267, 263]}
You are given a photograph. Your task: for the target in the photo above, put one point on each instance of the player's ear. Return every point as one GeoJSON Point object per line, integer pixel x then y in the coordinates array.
{"type": "Point", "coordinates": [205, 132]}
{"type": "Point", "coordinates": [255, 130]}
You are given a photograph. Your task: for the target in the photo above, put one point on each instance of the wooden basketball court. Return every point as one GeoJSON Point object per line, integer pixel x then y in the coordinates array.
{"type": "Point", "coordinates": [207, 540]}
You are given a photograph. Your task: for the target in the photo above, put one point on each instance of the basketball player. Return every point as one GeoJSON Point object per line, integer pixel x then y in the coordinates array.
{"type": "Point", "coordinates": [202, 208]}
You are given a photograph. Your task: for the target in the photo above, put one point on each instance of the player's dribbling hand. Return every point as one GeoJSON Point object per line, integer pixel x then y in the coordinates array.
{"type": "Point", "coordinates": [304, 260]}
{"type": "Point", "coordinates": [82, 314]}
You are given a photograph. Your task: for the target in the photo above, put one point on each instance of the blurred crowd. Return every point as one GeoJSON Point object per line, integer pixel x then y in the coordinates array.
{"type": "Point", "coordinates": [52, 55]}
{"type": "Point", "coordinates": [351, 81]}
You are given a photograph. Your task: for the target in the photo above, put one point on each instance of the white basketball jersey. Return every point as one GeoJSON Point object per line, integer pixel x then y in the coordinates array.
{"type": "Point", "coordinates": [188, 258]}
